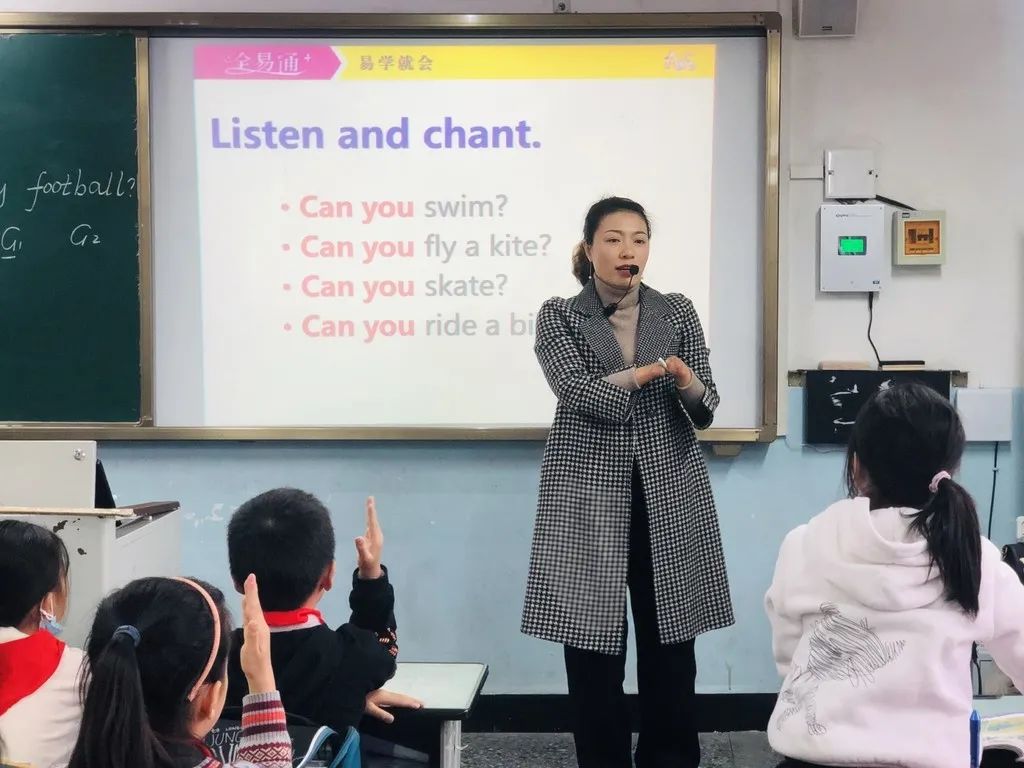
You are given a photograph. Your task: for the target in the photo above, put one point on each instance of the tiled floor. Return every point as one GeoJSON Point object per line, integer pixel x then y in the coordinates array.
{"type": "Point", "coordinates": [555, 750]}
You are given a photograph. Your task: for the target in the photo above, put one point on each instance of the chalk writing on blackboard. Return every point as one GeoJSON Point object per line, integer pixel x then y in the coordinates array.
{"type": "Point", "coordinates": [76, 184]}
{"type": "Point", "coordinates": [837, 402]}
{"type": "Point", "coordinates": [83, 235]}
{"type": "Point", "coordinates": [52, 189]}
{"type": "Point", "coordinates": [10, 242]}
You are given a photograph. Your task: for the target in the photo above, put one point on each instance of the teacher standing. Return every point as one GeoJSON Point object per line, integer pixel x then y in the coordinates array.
{"type": "Point", "coordinates": [625, 498]}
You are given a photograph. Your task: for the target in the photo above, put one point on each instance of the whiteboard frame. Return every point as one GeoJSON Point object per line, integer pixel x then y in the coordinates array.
{"type": "Point", "coordinates": [148, 25]}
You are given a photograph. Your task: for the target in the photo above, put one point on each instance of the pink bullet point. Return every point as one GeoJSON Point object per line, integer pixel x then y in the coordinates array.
{"type": "Point", "coordinates": [287, 286]}
{"type": "Point", "coordinates": [286, 247]}
{"type": "Point", "coordinates": [287, 326]}
{"type": "Point", "coordinates": [285, 206]}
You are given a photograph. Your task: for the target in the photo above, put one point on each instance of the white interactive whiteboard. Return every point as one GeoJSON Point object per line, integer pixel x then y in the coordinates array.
{"type": "Point", "coordinates": [357, 232]}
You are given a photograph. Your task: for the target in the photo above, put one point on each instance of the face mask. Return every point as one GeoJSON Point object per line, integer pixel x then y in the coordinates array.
{"type": "Point", "coordinates": [49, 622]}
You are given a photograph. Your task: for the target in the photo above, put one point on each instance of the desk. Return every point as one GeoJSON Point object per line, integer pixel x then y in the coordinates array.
{"type": "Point", "coordinates": [107, 548]}
{"type": "Point", "coordinates": [1001, 741]}
{"type": "Point", "coordinates": [999, 705]}
{"type": "Point", "coordinates": [56, 484]}
{"type": "Point", "coordinates": [448, 692]}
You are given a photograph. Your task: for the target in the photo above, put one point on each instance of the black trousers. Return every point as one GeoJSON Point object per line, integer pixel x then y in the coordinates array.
{"type": "Point", "coordinates": [666, 676]}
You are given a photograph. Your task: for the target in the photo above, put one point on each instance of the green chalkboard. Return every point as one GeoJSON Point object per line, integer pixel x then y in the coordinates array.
{"type": "Point", "coordinates": [69, 229]}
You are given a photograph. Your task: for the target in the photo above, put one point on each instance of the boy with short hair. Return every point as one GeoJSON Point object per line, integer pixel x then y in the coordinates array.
{"type": "Point", "coordinates": [329, 676]}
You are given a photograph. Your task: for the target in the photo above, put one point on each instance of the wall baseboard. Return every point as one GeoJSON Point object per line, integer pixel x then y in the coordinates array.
{"type": "Point", "coordinates": [549, 713]}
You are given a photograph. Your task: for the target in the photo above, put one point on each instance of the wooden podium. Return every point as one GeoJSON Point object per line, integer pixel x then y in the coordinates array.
{"type": "Point", "coordinates": [54, 484]}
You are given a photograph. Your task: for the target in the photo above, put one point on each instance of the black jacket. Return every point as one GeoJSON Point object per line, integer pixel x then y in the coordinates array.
{"type": "Point", "coordinates": [324, 674]}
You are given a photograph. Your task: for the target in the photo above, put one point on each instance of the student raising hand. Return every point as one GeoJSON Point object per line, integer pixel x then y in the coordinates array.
{"type": "Point", "coordinates": [255, 655]}
{"type": "Point", "coordinates": [370, 544]}
{"type": "Point", "coordinates": [324, 671]}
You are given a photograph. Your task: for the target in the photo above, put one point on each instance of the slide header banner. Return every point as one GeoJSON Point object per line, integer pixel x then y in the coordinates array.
{"type": "Point", "coordinates": [453, 62]}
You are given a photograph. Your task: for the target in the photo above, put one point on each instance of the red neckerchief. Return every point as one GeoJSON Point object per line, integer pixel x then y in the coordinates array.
{"type": "Point", "coordinates": [291, 618]}
{"type": "Point", "coordinates": [25, 665]}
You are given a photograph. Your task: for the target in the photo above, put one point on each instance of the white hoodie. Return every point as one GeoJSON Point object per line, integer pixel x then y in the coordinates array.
{"type": "Point", "coordinates": [876, 661]}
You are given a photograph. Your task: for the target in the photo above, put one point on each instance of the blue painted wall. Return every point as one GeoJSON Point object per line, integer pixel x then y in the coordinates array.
{"type": "Point", "coordinates": [458, 518]}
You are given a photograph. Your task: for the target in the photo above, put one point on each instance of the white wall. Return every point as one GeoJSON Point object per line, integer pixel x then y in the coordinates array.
{"type": "Point", "coordinates": [944, 140]}
{"type": "Point", "coordinates": [936, 89]}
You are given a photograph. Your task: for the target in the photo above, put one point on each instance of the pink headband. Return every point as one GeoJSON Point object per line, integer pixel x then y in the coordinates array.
{"type": "Point", "coordinates": [933, 486]}
{"type": "Point", "coordinates": [216, 635]}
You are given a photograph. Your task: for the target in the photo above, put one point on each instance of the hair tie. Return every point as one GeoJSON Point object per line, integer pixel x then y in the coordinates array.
{"type": "Point", "coordinates": [132, 632]}
{"type": "Point", "coordinates": [933, 486]}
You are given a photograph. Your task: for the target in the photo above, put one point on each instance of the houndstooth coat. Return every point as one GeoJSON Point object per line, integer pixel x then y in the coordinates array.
{"type": "Point", "coordinates": [576, 590]}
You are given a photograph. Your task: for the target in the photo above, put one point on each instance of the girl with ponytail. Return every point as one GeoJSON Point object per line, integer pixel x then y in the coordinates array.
{"type": "Point", "coordinates": [158, 679]}
{"type": "Point", "coordinates": [877, 602]}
